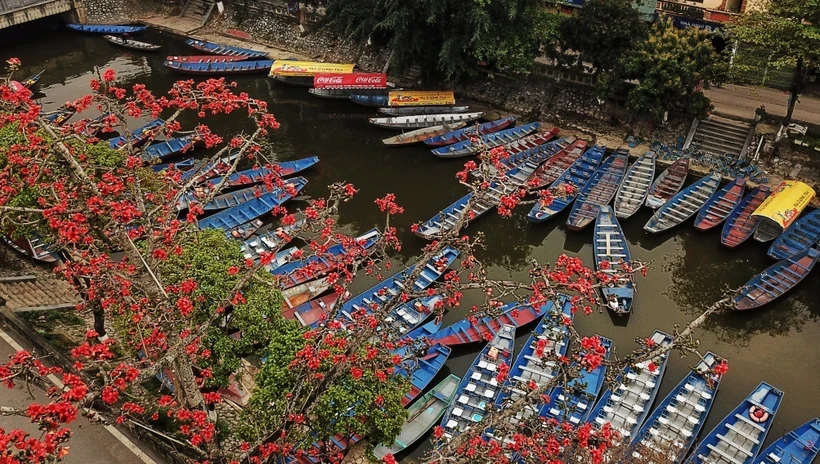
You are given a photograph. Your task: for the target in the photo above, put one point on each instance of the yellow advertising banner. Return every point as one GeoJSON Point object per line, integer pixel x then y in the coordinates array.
{"type": "Point", "coordinates": [308, 68]}
{"type": "Point", "coordinates": [786, 202]}
{"type": "Point", "coordinates": [421, 98]}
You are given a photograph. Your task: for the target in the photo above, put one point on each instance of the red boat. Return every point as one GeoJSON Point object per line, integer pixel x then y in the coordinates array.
{"type": "Point", "coordinates": [484, 329]}
{"type": "Point", "coordinates": [741, 224]}
{"type": "Point", "coordinates": [718, 208]}
{"type": "Point", "coordinates": [314, 310]}
{"type": "Point", "coordinates": [551, 170]}
{"type": "Point", "coordinates": [776, 280]}
{"type": "Point", "coordinates": [204, 59]}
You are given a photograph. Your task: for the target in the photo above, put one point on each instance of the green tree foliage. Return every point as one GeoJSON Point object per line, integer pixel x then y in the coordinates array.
{"type": "Point", "coordinates": [447, 37]}
{"type": "Point", "coordinates": [600, 34]}
{"type": "Point", "coordinates": [787, 29]}
{"type": "Point", "coordinates": [671, 68]}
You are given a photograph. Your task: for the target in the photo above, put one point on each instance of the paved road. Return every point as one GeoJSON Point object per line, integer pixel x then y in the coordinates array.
{"type": "Point", "coordinates": [741, 101]}
{"type": "Point", "coordinates": [90, 444]}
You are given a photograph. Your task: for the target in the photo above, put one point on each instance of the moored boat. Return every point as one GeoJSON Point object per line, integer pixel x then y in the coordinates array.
{"type": "Point", "coordinates": [408, 317]}
{"type": "Point", "coordinates": [228, 67]}
{"type": "Point", "coordinates": [369, 99]}
{"type": "Point", "coordinates": [227, 50]}
{"type": "Point", "coordinates": [235, 198]}
{"type": "Point", "coordinates": [520, 153]}
{"type": "Point", "coordinates": [106, 28]}
{"type": "Point", "coordinates": [415, 110]}
{"type": "Point", "coordinates": [425, 120]}
{"type": "Point", "coordinates": [800, 446]}
{"type": "Point", "coordinates": [34, 247]}
{"type": "Point", "coordinates": [554, 167]}
{"type": "Point", "coordinates": [32, 81]}
{"type": "Point", "coordinates": [314, 312]}
{"type": "Point", "coordinates": [722, 203]}
{"type": "Point", "coordinates": [138, 136]}
{"type": "Point", "coordinates": [479, 329]}
{"type": "Point", "coordinates": [270, 241]}
{"type": "Point", "coordinates": [626, 407]}
{"type": "Point", "coordinates": [420, 135]}
{"type": "Point", "coordinates": [132, 44]}
{"type": "Point", "coordinates": [208, 171]}
{"type": "Point", "coordinates": [778, 279]}
{"type": "Point", "coordinates": [798, 237]}
{"type": "Point", "coordinates": [674, 425]}
{"type": "Point", "coordinates": [422, 416]}
{"type": "Point", "coordinates": [170, 147]}
{"type": "Point", "coordinates": [781, 208]}
{"type": "Point", "coordinates": [479, 388]}
{"type": "Point", "coordinates": [668, 184]}
{"type": "Point", "coordinates": [683, 205]}
{"type": "Point", "coordinates": [576, 176]}
{"type": "Point", "coordinates": [257, 175]}
{"type": "Point", "coordinates": [296, 296]}
{"type": "Point", "coordinates": [737, 439]}
{"type": "Point", "coordinates": [598, 191]}
{"type": "Point", "coordinates": [574, 402]}
{"type": "Point", "coordinates": [344, 94]}
{"type": "Point", "coordinates": [635, 188]}
{"type": "Point", "coordinates": [203, 58]}
{"type": "Point", "coordinates": [472, 131]}
{"type": "Point", "coordinates": [489, 141]}
{"type": "Point", "coordinates": [59, 117]}
{"type": "Point", "coordinates": [740, 225]}
{"type": "Point", "coordinates": [610, 246]}
{"type": "Point", "coordinates": [296, 81]}
{"type": "Point", "coordinates": [179, 165]}
{"type": "Point", "coordinates": [250, 210]}
{"type": "Point", "coordinates": [422, 370]}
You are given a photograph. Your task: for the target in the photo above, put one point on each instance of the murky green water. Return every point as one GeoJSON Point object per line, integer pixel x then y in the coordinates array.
{"type": "Point", "coordinates": [778, 344]}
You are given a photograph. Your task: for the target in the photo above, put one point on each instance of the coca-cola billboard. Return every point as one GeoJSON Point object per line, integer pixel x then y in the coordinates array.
{"type": "Point", "coordinates": [350, 81]}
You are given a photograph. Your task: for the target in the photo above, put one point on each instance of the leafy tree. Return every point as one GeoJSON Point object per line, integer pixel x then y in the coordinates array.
{"type": "Point", "coordinates": [515, 49]}
{"type": "Point", "coordinates": [790, 31]}
{"type": "Point", "coordinates": [600, 34]}
{"type": "Point", "coordinates": [671, 68]}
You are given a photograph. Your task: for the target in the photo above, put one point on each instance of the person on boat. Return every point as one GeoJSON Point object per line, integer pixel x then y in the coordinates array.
{"type": "Point", "coordinates": [125, 37]}
{"type": "Point", "coordinates": [612, 302]}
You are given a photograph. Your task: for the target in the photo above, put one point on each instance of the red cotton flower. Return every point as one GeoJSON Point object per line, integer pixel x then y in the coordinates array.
{"type": "Point", "coordinates": [356, 373]}
{"type": "Point", "coordinates": [109, 75]}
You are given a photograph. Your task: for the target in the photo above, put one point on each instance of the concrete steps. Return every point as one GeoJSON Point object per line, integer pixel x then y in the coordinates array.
{"type": "Point", "coordinates": [30, 293]}
{"type": "Point", "coordinates": [721, 136]}
{"type": "Point", "coordinates": [198, 10]}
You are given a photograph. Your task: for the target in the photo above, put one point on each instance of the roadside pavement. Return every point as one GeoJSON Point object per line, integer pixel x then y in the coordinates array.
{"type": "Point", "coordinates": [90, 443]}
{"type": "Point", "coordinates": [741, 101]}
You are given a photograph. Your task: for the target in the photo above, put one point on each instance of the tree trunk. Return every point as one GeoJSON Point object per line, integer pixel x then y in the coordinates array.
{"type": "Point", "coordinates": [797, 84]}
{"type": "Point", "coordinates": [187, 391]}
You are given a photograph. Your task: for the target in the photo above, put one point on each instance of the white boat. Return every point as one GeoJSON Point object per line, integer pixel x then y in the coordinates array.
{"type": "Point", "coordinates": [635, 187]}
{"type": "Point", "coordinates": [424, 120]}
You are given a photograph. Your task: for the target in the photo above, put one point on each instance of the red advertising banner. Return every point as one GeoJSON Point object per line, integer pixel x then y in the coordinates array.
{"type": "Point", "coordinates": [350, 81]}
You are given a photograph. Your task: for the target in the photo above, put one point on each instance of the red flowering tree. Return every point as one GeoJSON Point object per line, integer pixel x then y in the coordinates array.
{"type": "Point", "coordinates": [186, 305]}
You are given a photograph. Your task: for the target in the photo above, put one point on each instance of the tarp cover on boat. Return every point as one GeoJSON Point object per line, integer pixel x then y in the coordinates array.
{"type": "Point", "coordinates": [785, 203]}
{"type": "Point", "coordinates": [308, 68]}
{"type": "Point", "coordinates": [349, 81]}
{"type": "Point", "coordinates": [421, 98]}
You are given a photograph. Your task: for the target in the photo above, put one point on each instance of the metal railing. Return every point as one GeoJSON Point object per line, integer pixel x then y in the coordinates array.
{"type": "Point", "coordinates": [7, 6]}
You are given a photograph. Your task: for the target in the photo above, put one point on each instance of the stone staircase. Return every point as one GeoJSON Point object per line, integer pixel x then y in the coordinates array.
{"type": "Point", "coordinates": [198, 11]}
{"type": "Point", "coordinates": [31, 293]}
{"type": "Point", "coordinates": [720, 136]}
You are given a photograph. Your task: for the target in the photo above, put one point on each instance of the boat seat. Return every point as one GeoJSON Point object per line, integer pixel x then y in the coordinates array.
{"type": "Point", "coordinates": [722, 454]}
{"type": "Point", "coordinates": [742, 433]}
{"type": "Point", "coordinates": [734, 445]}
{"type": "Point", "coordinates": [754, 424]}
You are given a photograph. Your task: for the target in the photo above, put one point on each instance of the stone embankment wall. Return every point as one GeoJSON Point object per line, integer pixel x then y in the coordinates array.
{"type": "Point", "coordinates": [107, 11]}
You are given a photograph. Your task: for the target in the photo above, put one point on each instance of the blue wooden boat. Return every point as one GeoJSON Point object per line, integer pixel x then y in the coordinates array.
{"type": "Point", "coordinates": [484, 328]}
{"type": "Point", "coordinates": [722, 203]}
{"type": "Point", "coordinates": [598, 191]}
{"type": "Point", "coordinates": [210, 170]}
{"type": "Point", "coordinates": [683, 205]}
{"type": "Point", "coordinates": [179, 165]}
{"type": "Point", "coordinates": [59, 117]}
{"type": "Point", "coordinates": [528, 366]}
{"type": "Point", "coordinates": [448, 218]}
{"type": "Point", "coordinates": [635, 187]}
{"type": "Point", "coordinates": [257, 175]}
{"type": "Point", "coordinates": [425, 331]}
{"type": "Point", "coordinates": [423, 416]}
{"type": "Point", "coordinates": [673, 426]}
{"type": "Point", "coordinates": [106, 28]}
{"type": "Point", "coordinates": [370, 100]}
{"type": "Point", "coordinates": [798, 237]}
{"type": "Point", "coordinates": [229, 67]}
{"type": "Point", "coordinates": [577, 176]}
{"type": "Point", "coordinates": [520, 151]}
{"type": "Point", "coordinates": [227, 50]}
{"type": "Point", "coordinates": [489, 141]}
{"type": "Point", "coordinates": [422, 370]}
{"type": "Point", "coordinates": [610, 245]}
{"type": "Point", "coordinates": [294, 273]}
{"type": "Point", "coordinates": [137, 137]}
{"type": "Point", "coordinates": [270, 241]}
{"type": "Point", "coordinates": [739, 437]}
{"type": "Point", "coordinates": [94, 126]}
{"type": "Point", "coordinates": [32, 80]}
{"type": "Point", "coordinates": [479, 387]}
{"type": "Point", "coordinates": [408, 317]}
{"type": "Point", "coordinates": [170, 147]}
{"type": "Point", "coordinates": [461, 135]}
{"type": "Point", "coordinates": [246, 212]}
{"type": "Point", "coordinates": [281, 258]}
{"type": "Point", "coordinates": [800, 446]}
{"type": "Point", "coordinates": [778, 279]}
{"type": "Point", "coordinates": [626, 407]}
{"type": "Point", "coordinates": [740, 225]}
{"type": "Point", "coordinates": [390, 288]}
{"type": "Point", "coordinates": [574, 403]}
{"type": "Point", "coordinates": [235, 198]}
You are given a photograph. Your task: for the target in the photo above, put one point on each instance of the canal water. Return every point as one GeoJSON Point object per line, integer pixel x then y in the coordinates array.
{"type": "Point", "coordinates": [690, 269]}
